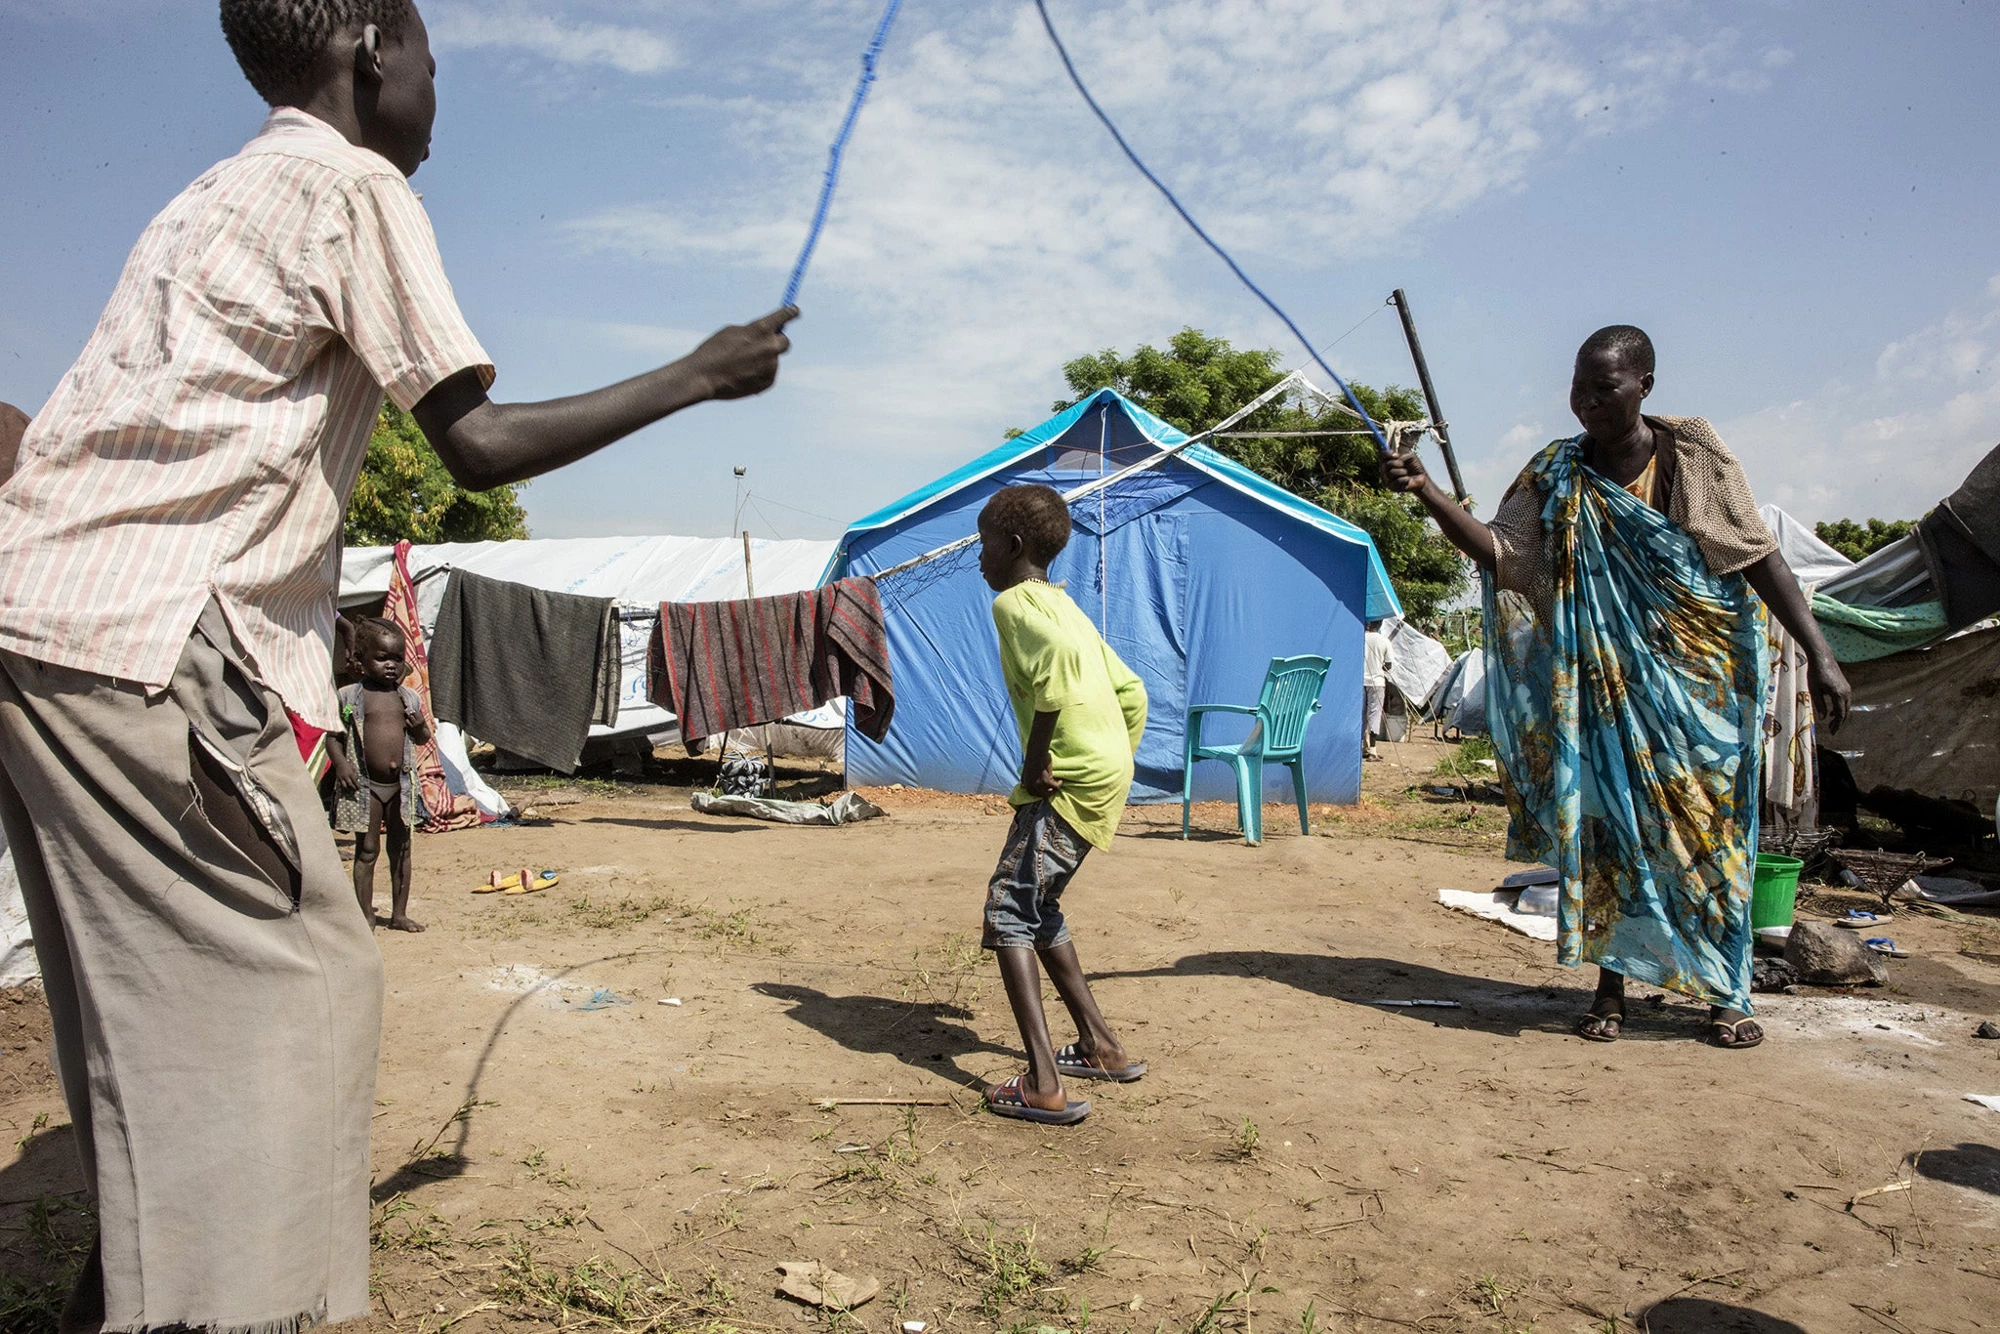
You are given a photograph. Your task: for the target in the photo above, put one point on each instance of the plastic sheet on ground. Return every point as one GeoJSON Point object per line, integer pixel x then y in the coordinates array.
{"type": "Point", "coordinates": [847, 808]}
{"type": "Point", "coordinates": [1498, 906]}
{"type": "Point", "coordinates": [1951, 890]}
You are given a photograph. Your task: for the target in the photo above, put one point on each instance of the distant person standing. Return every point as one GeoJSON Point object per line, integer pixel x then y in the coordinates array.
{"type": "Point", "coordinates": [1376, 665]}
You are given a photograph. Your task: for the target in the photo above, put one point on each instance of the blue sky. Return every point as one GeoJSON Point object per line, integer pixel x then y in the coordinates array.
{"type": "Point", "coordinates": [1797, 198]}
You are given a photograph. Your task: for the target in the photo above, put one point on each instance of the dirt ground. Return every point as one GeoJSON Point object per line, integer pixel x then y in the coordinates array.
{"type": "Point", "coordinates": [556, 1147]}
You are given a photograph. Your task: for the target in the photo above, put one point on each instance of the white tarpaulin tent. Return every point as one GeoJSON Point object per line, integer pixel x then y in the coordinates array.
{"type": "Point", "coordinates": [1812, 560]}
{"type": "Point", "coordinates": [1416, 661]}
{"type": "Point", "coordinates": [639, 572]}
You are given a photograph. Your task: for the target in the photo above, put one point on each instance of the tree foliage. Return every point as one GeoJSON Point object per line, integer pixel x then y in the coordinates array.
{"type": "Point", "coordinates": [1856, 540]}
{"type": "Point", "coordinates": [406, 493]}
{"type": "Point", "coordinates": [1196, 381]}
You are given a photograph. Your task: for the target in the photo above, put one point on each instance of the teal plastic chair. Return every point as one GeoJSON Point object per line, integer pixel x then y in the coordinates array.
{"type": "Point", "coordinates": [1288, 702]}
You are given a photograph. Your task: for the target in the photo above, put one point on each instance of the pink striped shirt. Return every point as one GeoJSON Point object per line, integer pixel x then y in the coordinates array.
{"type": "Point", "coordinates": [206, 440]}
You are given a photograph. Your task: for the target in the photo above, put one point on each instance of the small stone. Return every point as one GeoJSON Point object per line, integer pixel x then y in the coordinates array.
{"type": "Point", "coordinates": [1988, 1029]}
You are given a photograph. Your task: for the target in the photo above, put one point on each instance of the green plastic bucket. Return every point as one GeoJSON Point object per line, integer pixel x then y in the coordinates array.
{"type": "Point", "coordinates": [1773, 891]}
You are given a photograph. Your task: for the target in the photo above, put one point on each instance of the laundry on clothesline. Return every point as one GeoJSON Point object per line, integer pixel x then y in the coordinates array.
{"type": "Point", "coordinates": [719, 666]}
{"type": "Point", "coordinates": [525, 669]}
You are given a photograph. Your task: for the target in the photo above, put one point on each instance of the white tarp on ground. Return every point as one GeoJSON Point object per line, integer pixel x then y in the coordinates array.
{"type": "Point", "coordinates": [639, 572]}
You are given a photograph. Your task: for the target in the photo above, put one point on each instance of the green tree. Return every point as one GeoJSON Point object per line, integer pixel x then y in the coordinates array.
{"type": "Point", "coordinates": [1856, 540]}
{"type": "Point", "coordinates": [405, 492]}
{"type": "Point", "coordinates": [1196, 381]}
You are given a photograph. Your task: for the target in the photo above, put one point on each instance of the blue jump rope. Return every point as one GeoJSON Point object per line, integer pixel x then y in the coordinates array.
{"type": "Point", "coordinates": [868, 60]}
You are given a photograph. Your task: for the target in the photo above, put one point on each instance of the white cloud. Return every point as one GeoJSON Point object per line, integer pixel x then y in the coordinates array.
{"type": "Point", "coordinates": [982, 206]}
{"type": "Point", "coordinates": [1888, 445]}
{"type": "Point", "coordinates": [633, 50]}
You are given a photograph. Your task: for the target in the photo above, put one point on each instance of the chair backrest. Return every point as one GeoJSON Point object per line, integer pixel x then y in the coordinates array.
{"type": "Point", "coordinates": [1291, 695]}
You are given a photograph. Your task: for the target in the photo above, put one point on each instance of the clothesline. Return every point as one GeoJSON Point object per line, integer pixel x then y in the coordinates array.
{"type": "Point", "coordinates": [1301, 435]}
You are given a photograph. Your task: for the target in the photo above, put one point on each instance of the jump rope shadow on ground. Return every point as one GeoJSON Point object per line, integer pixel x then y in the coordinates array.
{"type": "Point", "coordinates": [1485, 1006]}
{"type": "Point", "coordinates": [920, 1034]}
{"type": "Point", "coordinates": [432, 1162]}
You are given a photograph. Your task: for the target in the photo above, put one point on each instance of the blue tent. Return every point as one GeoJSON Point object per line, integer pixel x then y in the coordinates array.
{"type": "Point", "coordinates": [1197, 571]}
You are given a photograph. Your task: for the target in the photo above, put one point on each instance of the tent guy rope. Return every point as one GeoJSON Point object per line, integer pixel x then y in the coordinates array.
{"type": "Point", "coordinates": [1381, 441]}
{"type": "Point", "coordinates": [1104, 482]}
{"type": "Point", "coordinates": [868, 59]}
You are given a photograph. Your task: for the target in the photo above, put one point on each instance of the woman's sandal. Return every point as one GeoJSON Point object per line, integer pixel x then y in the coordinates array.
{"type": "Point", "coordinates": [1594, 1027]}
{"type": "Point", "coordinates": [1717, 1028]}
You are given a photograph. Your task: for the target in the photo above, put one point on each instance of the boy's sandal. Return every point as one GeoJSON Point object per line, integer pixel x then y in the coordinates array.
{"type": "Point", "coordinates": [534, 884]}
{"type": "Point", "coordinates": [1074, 1063]}
{"type": "Point", "coordinates": [1005, 1099]}
{"type": "Point", "coordinates": [1885, 946]}
{"type": "Point", "coordinates": [1718, 1029]}
{"type": "Point", "coordinates": [1601, 1027]}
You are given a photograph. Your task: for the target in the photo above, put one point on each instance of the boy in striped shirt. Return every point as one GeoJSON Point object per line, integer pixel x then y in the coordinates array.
{"type": "Point", "coordinates": [169, 551]}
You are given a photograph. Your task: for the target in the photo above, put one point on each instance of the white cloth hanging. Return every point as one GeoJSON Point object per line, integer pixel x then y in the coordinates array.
{"type": "Point", "coordinates": [1791, 772]}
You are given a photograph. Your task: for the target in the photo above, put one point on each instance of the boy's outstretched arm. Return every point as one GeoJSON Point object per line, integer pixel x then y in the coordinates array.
{"type": "Point", "coordinates": [486, 444]}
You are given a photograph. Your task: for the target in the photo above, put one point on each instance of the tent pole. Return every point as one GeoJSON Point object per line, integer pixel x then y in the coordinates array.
{"type": "Point", "coordinates": [749, 584]}
{"type": "Point", "coordinates": [1438, 426]}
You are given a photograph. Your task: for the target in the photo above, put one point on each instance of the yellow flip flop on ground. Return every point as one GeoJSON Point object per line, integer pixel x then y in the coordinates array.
{"type": "Point", "coordinates": [511, 884]}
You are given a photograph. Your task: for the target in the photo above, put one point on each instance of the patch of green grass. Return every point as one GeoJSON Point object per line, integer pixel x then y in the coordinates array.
{"type": "Point", "coordinates": [1462, 764]}
{"type": "Point", "coordinates": [610, 914]}
{"type": "Point", "coordinates": [738, 930]}
{"type": "Point", "coordinates": [593, 787]}
{"type": "Point", "coordinates": [1010, 1272]}
{"type": "Point", "coordinates": [607, 1295]}
{"type": "Point", "coordinates": [1090, 1257]}
{"type": "Point", "coordinates": [1211, 1320]}
{"type": "Point", "coordinates": [401, 1225]}
{"type": "Point", "coordinates": [41, 1268]}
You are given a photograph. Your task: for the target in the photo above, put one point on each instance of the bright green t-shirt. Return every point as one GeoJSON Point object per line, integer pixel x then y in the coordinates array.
{"type": "Point", "coordinates": [1054, 661]}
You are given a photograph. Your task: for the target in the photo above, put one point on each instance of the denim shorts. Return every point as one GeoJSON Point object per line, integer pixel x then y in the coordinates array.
{"type": "Point", "coordinates": [1024, 902]}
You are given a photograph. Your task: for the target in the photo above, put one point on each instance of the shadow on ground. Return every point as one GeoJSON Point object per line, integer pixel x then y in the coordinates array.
{"type": "Point", "coordinates": [919, 1034]}
{"type": "Point", "coordinates": [671, 824]}
{"type": "Point", "coordinates": [46, 1230]}
{"type": "Point", "coordinates": [1484, 1005]}
{"type": "Point", "coordinates": [1698, 1315]}
{"type": "Point", "coordinates": [1974, 1166]}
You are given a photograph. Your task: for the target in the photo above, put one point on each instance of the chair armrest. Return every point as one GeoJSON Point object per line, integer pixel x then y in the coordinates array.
{"type": "Point", "coordinates": [1195, 711]}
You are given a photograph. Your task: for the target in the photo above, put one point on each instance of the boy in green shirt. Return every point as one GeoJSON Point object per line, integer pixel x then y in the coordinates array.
{"type": "Point", "coordinates": [1080, 711]}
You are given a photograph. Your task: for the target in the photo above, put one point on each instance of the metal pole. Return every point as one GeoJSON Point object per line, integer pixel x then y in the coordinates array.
{"type": "Point", "coordinates": [1430, 393]}
{"type": "Point", "coordinates": [749, 584]}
